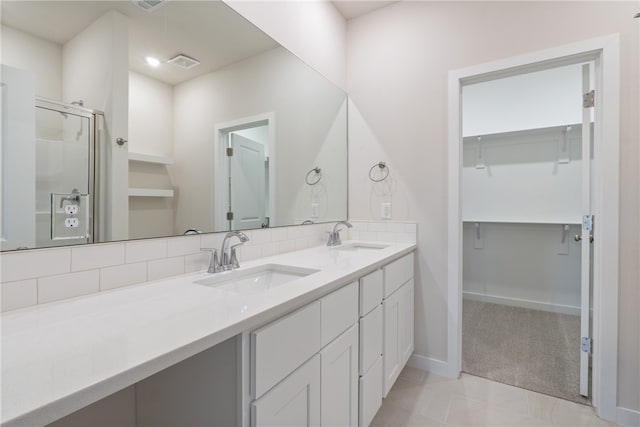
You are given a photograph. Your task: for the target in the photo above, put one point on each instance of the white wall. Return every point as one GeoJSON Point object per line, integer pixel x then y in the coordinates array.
{"type": "Point", "coordinates": [96, 70]}
{"type": "Point", "coordinates": [150, 115]}
{"type": "Point", "coordinates": [312, 30]}
{"type": "Point", "coordinates": [398, 60]}
{"type": "Point", "coordinates": [306, 108]}
{"type": "Point", "coordinates": [42, 57]}
{"type": "Point", "coordinates": [527, 101]}
{"type": "Point", "coordinates": [523, 265]}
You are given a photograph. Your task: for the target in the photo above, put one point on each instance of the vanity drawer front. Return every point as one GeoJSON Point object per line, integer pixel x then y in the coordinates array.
{"type": "Point", "coordinates": [281, 346]}
{"type": "Point", "coordinates": [371, 327]}
{"type": "Point", "coordinates": [397, 273]}
{"type": "Point", "coordinates": [371, 291]}
{"type": "Point", "coordinates": [370, 393]}
{"type": "Point", "coordinates": [339, 311]}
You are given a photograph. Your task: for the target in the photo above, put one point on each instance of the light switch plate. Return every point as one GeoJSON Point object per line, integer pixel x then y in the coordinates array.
{"type": "Point", "coordinates": [314, 210]}
{"type": "Point", "coordinates": [386, 210]}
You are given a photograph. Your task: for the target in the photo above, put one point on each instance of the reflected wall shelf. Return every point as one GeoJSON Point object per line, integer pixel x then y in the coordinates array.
{"type": "Point", "coordinates": [150, 192]}
{"type": "Point", "coordinates": [150, 158]}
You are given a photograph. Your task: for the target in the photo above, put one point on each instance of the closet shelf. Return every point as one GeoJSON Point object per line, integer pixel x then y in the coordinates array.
{"type": "Point", "coordinates": [150, 192]}
{"type": "Point", "coordinates": [150, 158]}
{"type": "Point", "coordinates": [522, 221]}
{"type": "Point", "coordinates": [474, 138]}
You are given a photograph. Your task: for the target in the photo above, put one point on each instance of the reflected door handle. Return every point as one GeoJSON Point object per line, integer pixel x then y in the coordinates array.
{"type": "Point", "coordinates": [578, 238]}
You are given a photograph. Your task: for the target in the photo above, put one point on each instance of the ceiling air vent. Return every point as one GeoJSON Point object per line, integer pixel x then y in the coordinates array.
{"type": "Point", "coordinates": [149, 5]}
{"type": "Point", "coordinates": [184, 61]}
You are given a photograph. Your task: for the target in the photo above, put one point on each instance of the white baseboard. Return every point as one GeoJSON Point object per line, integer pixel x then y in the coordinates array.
{"type": "Point", "coordinates": [438, 367]}
{"type": "Point", "coordinates": [523, 303]}
{"type": "Point", "coordinates": [627, 417]}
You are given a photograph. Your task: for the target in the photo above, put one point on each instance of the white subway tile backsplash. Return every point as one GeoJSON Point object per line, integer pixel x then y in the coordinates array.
{"type": "Point", "coordinates": [261, 236]}
{"type": "Point", "coordinates": [250, 252]}
{"type": "Point", "coordinates": [377, 226]}
{"type": "Point", "coordinates": [185, 245]}
{"type": "Point", "coordinates": [167, 267]}
{"type": "Point", "coordinates": [123, 275]}
{"type": "Point", "coordinates": [22, 265]}
{"type": "Point", "coordinates": [45, 275]}
{"type": "Point", "coordinates": [286, 246]}
{"type": "Point", "coordinates": [145, 250]}
{"type": "Point", "coordinates": [53, 288]}
{"type": "Point", "coordinates": [270, 249]}
{"type": "Point", "coordinates": [211, 240]}
{"type": "Point", "coordinates": [196, 262]}
{"type": "Point", "coordinates": [96, 256]}
{"type": "Point", "coordinates": [23, 293]}
{"type": "Point", "coordinates": [396, 227]}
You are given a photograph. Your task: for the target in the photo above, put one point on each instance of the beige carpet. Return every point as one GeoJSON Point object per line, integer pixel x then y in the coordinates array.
{"type": "Point", "coordinates": [531, 349]}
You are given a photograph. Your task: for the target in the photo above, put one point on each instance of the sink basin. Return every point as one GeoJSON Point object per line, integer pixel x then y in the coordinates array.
{"type": "Point", "coordinates": [255, 280]}
{"type": "Point", "coordinates": [360, 246]}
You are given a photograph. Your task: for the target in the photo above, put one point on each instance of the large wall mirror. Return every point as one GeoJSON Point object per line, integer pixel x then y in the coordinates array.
{"type": "Point", "coordinates": [138, 119]}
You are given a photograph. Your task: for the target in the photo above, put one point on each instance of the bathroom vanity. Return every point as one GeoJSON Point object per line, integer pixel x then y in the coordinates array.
{"type": "Point", "coordinates": [319, 339]}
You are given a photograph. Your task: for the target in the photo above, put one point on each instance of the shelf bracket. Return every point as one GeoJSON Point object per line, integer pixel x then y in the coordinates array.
{"type": "Point", "coordinates": [477, 241]}
{"type": "Point", "coordinates": [563, 147]}
{"type": "Point", "coordinates": [563, 249]}
{"type": "Point", "coordinates": [479, 154]}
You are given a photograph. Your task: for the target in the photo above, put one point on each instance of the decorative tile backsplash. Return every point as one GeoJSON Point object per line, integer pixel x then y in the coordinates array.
{"type": "Point", "coordinates": [44, 275]}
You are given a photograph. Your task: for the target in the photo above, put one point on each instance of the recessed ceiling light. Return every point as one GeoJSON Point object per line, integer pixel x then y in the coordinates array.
{"type": "Point", "coordinates": [152, 61]}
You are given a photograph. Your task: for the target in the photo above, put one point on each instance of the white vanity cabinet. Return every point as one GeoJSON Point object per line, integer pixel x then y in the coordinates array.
{"type": "Point", "coordinates": [304, 366]}
{"type": "Point", "coordinates": [398, 314]}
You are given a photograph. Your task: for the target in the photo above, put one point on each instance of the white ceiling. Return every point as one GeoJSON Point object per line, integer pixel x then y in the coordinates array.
{"type": "Point", "coordinates": [206, 30]}
{"type": "Point", "coordinates": [354, 8]}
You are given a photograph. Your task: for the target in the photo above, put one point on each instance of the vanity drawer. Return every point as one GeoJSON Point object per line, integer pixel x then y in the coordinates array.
{"type": "Point", "coordinates": [281, 346]}
{"type": "Point", "coordinates": [371, 291]}
{"type": "Point", "coordinates": [397, 273]}
{"type": "Point", "coordinates": [338, 312]}
{"type": "Point", "coordinates": [370, 393]}
{"type": "Point", "coordinates": [371, 327]}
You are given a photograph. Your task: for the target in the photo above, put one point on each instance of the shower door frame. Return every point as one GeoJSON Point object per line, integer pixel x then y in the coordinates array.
{"type": "Point", "coordinates": [76, 110]}
{"type": "Point", "coordinates": [605, 51]}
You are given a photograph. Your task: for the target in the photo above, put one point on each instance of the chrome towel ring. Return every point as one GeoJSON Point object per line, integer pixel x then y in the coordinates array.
{"type": "Point", "coordinates": [383, 168]}
{"type": "Point", "coordinates": [313, 180]}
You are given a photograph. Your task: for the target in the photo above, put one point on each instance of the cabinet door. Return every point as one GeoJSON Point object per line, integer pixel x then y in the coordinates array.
{"type": "Point", "coordinates": [406, 307]}
{"type": "Point", "coordinates": [293, 402]}
{"type": "Point", "coordinates": [392, 354]}
{"type": "Point", "coordinates": [339, 380]}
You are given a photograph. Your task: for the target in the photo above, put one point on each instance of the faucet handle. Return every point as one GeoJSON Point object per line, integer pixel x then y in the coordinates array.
{"type": "Point", "coordinates": [233, 260]}
{"type": "Point", "coordinates": [214, 264]}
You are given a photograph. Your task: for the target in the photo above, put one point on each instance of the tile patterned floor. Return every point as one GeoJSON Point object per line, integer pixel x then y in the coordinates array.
{"type": "Point", "coordinates": [419, 398]}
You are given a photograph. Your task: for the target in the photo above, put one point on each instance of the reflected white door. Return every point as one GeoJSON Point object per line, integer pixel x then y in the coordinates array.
{"type": "Point", "coordinates": [587, 232]}
{"type": "Point", "coordinates": [247, 199]}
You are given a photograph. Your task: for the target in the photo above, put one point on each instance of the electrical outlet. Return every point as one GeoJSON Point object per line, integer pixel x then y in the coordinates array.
{"type": "Point", "coordinates": [314, 210]}
{"type": "Point", "coordinates": [71, 209]}
{"type": "Point", "coordinates": [386, 210]}
{"type": "Point", "coordinates": [71, 222]}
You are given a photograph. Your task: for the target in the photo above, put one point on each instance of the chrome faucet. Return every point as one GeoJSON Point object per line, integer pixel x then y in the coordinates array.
{"type": "Point", "coordinates": [228, 257]}
{"type": "Point", "coordinates": [334, 236]}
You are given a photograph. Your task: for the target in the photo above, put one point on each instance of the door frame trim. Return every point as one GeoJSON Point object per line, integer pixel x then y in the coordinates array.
{"type": "Point", "coordinates": [221, 168]}
{"type": "Point", "coordinates": [605, 200]}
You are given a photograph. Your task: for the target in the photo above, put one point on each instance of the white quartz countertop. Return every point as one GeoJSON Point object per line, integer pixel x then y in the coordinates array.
{"type": "Point", "coordinates": [62, 356]}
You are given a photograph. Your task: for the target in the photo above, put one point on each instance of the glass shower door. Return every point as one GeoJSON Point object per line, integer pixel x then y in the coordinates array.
{"type": "Point", "coordinates": [64, 175]}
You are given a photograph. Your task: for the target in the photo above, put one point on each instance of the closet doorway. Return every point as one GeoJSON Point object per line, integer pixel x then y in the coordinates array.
{"type": "Point", "coordinates": [526, 187]}
{"type": "Point", "coordinates": [533, 205]}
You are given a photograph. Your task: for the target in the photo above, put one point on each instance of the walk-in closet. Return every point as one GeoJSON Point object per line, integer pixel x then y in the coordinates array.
{"type": "Point", "coordinates": [526, 193]}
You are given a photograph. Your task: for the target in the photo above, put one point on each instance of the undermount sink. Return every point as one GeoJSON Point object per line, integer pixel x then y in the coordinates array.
{"type": "Point", "coordinates": [255, 280]}
{"type": "Point", "coordinates": [360, 246]}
